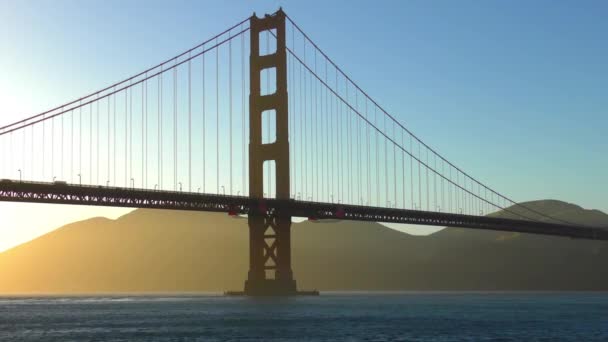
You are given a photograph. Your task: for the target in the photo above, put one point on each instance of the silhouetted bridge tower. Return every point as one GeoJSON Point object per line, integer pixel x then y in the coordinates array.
{"type": "Point", "coordinates": [313, 145]}
{"type": "Point", "coordinates": [269, 231]}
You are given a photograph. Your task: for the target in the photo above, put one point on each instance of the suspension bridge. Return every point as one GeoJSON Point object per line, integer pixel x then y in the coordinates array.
{"type": "Point", "coordinates": [255, 121]}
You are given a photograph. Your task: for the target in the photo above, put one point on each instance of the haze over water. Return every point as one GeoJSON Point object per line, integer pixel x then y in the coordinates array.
{"type": "Point", "coordinates": [412, 316]}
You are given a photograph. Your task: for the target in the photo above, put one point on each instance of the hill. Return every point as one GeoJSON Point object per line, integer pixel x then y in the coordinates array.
{"type": "Point", "coordinates": [165, 251]}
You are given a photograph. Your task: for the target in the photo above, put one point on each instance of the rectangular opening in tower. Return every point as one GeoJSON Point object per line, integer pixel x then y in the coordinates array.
{"type": "Point", "coordinates": [268, 81]}
{"type": "Point", "coordinates": [268, 42]}
{"type": "Point", "coordinates": [269, 126]}
{"type": "Point", "coordinates": [270, 176]}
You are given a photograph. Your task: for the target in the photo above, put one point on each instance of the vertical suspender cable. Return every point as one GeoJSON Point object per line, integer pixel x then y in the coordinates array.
{"type": "Point", "coordinates": [449, 184]}
{"type": "Point", "coordinates": [427, 181]}
{"type": "Point", "coordinates": [126, 134]}
{"type": "Point", "coordinates": [230, 106]}
{"type": "Point", "coordinates": [11, 154]}
{"type": "Point", "coordinates": [357, 152]}
{"type": "Point", "coordinates": [338, 127]}
{"type": "Point", "coordinates": [321, 126]}
{"type": "Point", "coordinates": [71, 146]}
{"type": "Point", "coordinates": [175, 127]}
{"type": "Point", "coordinates": [204, 133]}
{"type": "Point", "coordinates": [291, 110]}
{"type": "Point", "coordinates": [91, 143]}
{"type": "Point", "coordinates": [5, 155]}
{"type": "Point", "coordinates": [146, 136]}
{"type": "Point", "coordinates": [471, 206]}
{"type": "Point", "coordinates": [325, 123]}
{"type": "Point", "coordinates": [290, 126]}
{"type": "Point", "coordinates": [160, 129]}
{"type": "Point", "coordinates": [32, 151]}
{"type": "Point", "coordinates": [330, 148]}
{"type": "Point", "coordinates": [114, 134]}
{"type": "Point", "coordinates": [403, 169]}
{"type": "Point", "coordinates": [419, 178]}
{"type": "Point", "coordinates": [456, 195]}
{"type": "Point", "coordinates": [108, 144]}
{"type": "Point", "coordinates": [217, 117]}
{"type": "Point", "coordinates": [23, 132]}
{"type": "Point", "coordinates": [309, 117]}
{"type": "Point", "coordinates": [97, 141]}
{"type": "Point", "coordinates": [300, 142]}
{"type": "Point", "coordinates": [386, 193]}
{"type": "Point", "coordinates": [442, 185]}
{"type": "Point", "coordinates": [412, 173]}
{"type": "Point", "coordinates": [330, 153]}
{"type": "Point", "coordinates": [80, 141]}
{"type": "Point", "coordinates": [435, 180]}
{"type": "Point", "coordinates": [61, 145]}
{"type": "Point", "coordinates": [394, 168]}
{"type": "Point", "coordinates": [144, 131]}
{"type": "Point", "coordinates": [377, 153]}
{"type": "Point", "coordinates": [189, 124]}
{"type": "Point", "coordinates": [467, 199]}
{"type": "Point", "coordinates": [349, 149]}
{"type": "Point", "coordinates": [367, 159]}
{"type": "Point", "coordinates": [52, 147]}
{"type": "Point", "coordinates": [43, 146]}
{"type": "Point", "coordinates": [131, 134]}
{"type": "Point", "coordinates": [315, 140]}
{"type": "Point", "coordinates": [305, 136]}
{"type": "Point", "coordinates": [243, 166]}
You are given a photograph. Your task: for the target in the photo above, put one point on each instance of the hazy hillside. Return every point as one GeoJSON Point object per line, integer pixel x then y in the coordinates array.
{"type": "Point", "coordinates": [159, 251]}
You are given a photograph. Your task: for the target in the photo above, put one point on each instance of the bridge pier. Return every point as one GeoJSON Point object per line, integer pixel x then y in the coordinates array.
{"type": "Point", "coordinates": [270, 271]}
{"type": "Point", "coordinates": [270, 256]}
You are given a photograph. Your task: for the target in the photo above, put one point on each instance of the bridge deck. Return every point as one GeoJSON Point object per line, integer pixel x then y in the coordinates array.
{"type": "Point", "coordinates": [39, 192]}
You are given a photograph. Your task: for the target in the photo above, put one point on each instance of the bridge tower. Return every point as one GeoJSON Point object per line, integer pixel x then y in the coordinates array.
{"type": "Point", "coordinates": [269, 231]}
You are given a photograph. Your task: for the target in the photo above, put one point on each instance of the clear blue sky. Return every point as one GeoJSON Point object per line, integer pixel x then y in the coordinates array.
{"type": "Point", "coordinates": [514, 92]}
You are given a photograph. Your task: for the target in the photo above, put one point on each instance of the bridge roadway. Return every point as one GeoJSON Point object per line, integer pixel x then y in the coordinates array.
{"type": "Point", "coordinates": [63, 193]}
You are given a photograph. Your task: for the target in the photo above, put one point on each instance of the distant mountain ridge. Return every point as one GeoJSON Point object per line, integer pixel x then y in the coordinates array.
{"type": "Point", "coordinates": [558, 210]}
{"type": "Point", "coordinates": [166, 251]}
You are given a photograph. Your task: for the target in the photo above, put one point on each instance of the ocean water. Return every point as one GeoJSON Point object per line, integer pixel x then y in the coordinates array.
{"type": "Point", "coordinates": [410, 316]}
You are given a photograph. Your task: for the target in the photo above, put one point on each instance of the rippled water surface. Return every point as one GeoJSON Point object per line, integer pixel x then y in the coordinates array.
{"type": "Point", "coordinates": [329, 317]}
